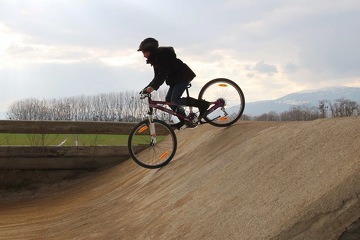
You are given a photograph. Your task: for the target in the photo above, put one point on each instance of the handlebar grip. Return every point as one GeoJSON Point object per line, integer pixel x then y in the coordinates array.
{"type": "Point", "coordinates": [143, 93]}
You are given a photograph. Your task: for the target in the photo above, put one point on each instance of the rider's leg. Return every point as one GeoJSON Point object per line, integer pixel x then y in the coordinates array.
{"type": "Point", "coordinates": [177, 92]}
{"type": "Point", "coordinates": [175, 96]}
{"type": "Point", "coordinates": [202, 105]}
{"type": "Point", "coordinates": [171, 96]}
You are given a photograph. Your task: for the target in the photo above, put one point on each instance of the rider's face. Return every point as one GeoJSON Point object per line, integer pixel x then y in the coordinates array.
{"type": "Point", "coordinates": [146, 54]}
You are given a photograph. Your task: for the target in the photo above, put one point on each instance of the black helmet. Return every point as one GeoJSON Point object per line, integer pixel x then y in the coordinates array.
{"type": "Point", "coordinates": [148, 44]}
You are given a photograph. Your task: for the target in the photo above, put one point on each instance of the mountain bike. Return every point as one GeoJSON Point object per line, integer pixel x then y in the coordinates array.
{"type": "Point", "coordinates": [152, 143]}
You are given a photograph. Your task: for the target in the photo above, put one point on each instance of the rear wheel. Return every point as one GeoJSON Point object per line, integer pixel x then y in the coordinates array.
{"type": "Point", "coordinates": [224, 91]}
{"type": "Point", "coordinates": [152, 151]}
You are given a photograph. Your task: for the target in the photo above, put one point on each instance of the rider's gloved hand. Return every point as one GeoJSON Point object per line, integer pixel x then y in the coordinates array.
{"type": "Point", "coordinates": [143, 91]}
{"type": "Point", "coordinates": [149, 89]}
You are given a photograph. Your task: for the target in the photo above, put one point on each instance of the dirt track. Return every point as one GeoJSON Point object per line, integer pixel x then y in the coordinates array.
{"type": "Point", "coordinates": [253, 180]}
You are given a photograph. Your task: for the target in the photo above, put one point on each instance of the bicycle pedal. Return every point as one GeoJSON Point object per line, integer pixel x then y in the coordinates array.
{"type": "Point", "coordinates": [183, 127]}
{"type": "Point", "coordinates": [192, 125]}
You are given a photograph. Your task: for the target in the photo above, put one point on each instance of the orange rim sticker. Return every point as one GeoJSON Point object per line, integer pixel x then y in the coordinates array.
{"type": "Point", "coordinates": [223, 119]}
{"type": "Point", "coordinates": [144, 128]}
{"type": "Point", "coordinates": [164, 155]}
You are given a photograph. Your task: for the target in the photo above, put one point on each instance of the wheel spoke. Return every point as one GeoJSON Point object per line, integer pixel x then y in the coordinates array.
{"type": "Point", "coordinates": [152, 154]}
{"type": "Point", "coordinates": [223, 90]}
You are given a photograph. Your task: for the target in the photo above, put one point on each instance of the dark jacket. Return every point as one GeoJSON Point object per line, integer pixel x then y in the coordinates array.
{"type": "Point", "coordinates": [167, 67]}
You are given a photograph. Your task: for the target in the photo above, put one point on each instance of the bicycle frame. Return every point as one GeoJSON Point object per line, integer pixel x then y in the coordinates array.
{"type": "Point", "coordinates": [191, 118]}
{"type": "Point", "coordinates": [159, 105]}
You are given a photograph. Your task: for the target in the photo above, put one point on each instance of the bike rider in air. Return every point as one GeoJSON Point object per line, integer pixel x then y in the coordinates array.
{"type": "Point", "coordinates": [168, 68]}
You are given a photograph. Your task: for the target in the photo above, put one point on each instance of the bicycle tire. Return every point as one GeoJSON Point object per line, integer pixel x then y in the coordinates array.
{"type": "Point", "coordinates": [231, 93]}
{"type": "Point", "coordinates": [149, 155]}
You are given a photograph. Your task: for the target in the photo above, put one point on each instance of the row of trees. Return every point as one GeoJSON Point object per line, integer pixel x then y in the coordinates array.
{"type": "Point", "coordinates": [128, 107]}
{"type": "Point", "coordinates": [340, 108]}
{"type": "Point", "coordinates": [122, 106]}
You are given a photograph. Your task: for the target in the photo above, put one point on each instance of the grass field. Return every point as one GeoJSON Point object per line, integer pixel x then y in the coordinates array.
{"type": "Point", "coordinates": [62, 139]}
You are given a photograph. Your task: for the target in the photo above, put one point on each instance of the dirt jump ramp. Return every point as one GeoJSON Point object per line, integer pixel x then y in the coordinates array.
{"type": "Point", "coordinates": [252, 180]}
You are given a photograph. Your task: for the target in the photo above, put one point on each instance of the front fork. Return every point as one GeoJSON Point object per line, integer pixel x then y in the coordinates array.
{"type": "Point", "coordinates": [152, 130]}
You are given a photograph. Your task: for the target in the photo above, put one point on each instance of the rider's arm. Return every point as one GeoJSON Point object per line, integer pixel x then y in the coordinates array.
{"type": "Point", "coordinates": [159, 77]}
{"type": "Point", "coordinates": [163, 66]}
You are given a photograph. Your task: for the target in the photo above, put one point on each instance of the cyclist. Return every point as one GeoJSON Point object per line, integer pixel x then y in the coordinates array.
{"type": "Point", "coordinates": [168, 68]}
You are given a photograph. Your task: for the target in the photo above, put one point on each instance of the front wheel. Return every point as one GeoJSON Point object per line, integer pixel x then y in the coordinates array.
{"type": "Point", "coordinates": [230, 97]}
{"type": "Point", "coordinates": [152, 150]}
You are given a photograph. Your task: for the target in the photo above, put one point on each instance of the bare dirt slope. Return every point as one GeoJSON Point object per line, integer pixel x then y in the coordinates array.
{"type": "Point", "coordinates": [253, 180]}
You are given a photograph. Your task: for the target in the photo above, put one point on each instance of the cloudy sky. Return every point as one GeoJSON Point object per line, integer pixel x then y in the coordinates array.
{"type": "Point", "coordinates": [60, 48]}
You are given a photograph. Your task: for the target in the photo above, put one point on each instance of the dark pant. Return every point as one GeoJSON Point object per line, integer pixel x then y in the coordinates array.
{"type": "Point", "coordinates": [175, 92]}
{"type": "Point", "coordinates": [174, 96]}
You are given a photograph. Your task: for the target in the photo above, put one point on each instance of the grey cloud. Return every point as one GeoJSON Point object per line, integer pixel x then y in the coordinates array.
{"type": "Point", "coordinates": [290, 68]}
{"type": "Point", "coordinates": [327, 40]}
{"type": "Point", "coordinates": [16, 49]}
{"type": "Point", "coordinates": [106, 23]}
{"type": "Point", "coordinates": [262, 67]}
{"type": "Point", "coordinates": [118, 24]}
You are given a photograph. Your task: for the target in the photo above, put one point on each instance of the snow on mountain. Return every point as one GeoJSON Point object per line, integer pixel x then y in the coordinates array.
{"type": "Point", "coordinates": [307, 98]}
{"type": "Point", "coordinates": [327, 89]}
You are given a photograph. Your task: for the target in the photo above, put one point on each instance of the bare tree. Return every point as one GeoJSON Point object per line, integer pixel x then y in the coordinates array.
{"type": "Point", "coordinates": [102, 107]}
{"type": "Point", "coordinates": [323, 106]}
{"type": "Point", "coordinates": [271, 116]}
{"type": "Point", "coordinates": [344, 108]}
{"type": "Point", "coordinates": [246, 117]}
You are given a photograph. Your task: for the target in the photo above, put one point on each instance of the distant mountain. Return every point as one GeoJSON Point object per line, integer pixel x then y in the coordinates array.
{"type": "Point", "coordinates": [307, 98]}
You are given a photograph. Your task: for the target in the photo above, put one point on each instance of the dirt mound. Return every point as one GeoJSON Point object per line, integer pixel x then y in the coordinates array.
{"type": "Point", "coordinates": [253, 180]}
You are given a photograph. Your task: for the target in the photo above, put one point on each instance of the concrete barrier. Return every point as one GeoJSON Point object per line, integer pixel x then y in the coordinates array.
{"type": "Point", "coordinates": [63, 157]}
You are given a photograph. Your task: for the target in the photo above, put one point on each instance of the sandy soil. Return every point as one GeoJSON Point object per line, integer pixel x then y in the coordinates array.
{"type": "Point", "coordinates": [253, 180]}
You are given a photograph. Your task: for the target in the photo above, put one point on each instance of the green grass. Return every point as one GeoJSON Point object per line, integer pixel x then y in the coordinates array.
{"type": "Point", "coordinates": [56, 139]}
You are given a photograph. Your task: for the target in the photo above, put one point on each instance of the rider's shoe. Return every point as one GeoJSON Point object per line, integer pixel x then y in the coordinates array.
{"type": "Point", "coordinates": [180, 125]}
{"type": "Point", "coordinates": [203, 107]}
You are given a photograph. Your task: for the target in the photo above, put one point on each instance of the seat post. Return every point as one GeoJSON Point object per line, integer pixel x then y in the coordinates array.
{"type": "Point", "coordinates": [188, 95]}
{"type": "Point", "coordinates": [187, 90]}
